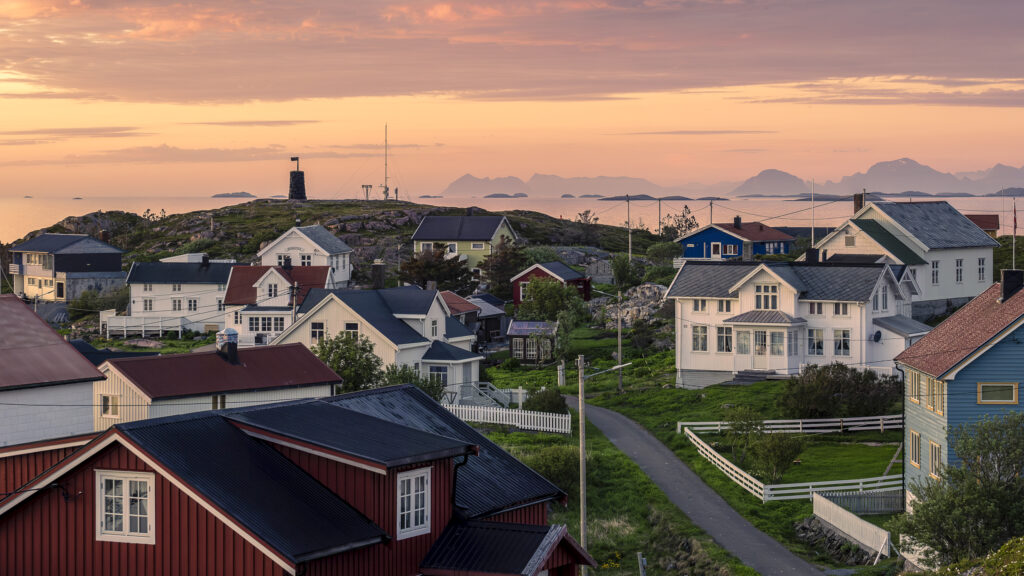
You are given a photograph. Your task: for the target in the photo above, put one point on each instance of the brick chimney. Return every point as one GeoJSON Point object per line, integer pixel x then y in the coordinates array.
{"type": "Point", "coordinates": [858, 201]}
{"type": "Point", "coordinates": [811, 256]}
{"type": "Point", "coordinates": [737, 222]}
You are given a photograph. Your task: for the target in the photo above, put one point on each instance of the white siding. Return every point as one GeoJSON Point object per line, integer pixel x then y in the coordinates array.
{"type": "Point", "coordinates": [175, 406]}
{"type": "Point", "coordinates": [132, 404]}
{"type": "Point", "coordinates": [335, 315]}
{"type": "Point", "coordinates": [32, 414]}
{"type": "Point", "coordinates": [294, 244]}
{"type": "Point", "coordinates": [205, 317]}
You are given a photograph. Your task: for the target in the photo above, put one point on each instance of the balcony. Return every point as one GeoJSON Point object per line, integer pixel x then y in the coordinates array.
{"type": "Point", "coordinates": [13, 269]}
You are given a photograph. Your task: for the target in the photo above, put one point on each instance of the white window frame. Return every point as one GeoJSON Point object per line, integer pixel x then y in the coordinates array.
{"type": "Point", "coordinates": [110, 408]}
{"type": "Point", "coordinates": [982, 270]}
{"type": "Point", "coordinates": [305, 260]}
{"type": "Point", "coordinates": [699, 338]}
{"type": "Point", "coordinates": [885, 298]}
{"type": "Point", "coordinates": [724, 306]}
{"type": "Point", "coordinates": [147, 305]}
{"type": "Point", "coordinates": [959, 268]}
{"type": "Point", "coordinates": [841, 309]}
{"type": "Point", "coordinates": [478, 246]}
{"type": "Point", "coordinates": [414, 528]}
{"type": "Point", "coordinates": [272, 290]}
{"type": "Point", "coordinates": [193, 304]}
{"type": "Point", "coordinates": [426, 246]}
{"type": "Point", "coordinates": [175, 287]}
{"type": "Point", "coordinates": [317, 335]}
{"type": "Point", "coordinates": [700, 305]}
{"type": "Point", "coordinates": [147, 287]}
{"type": "Point", "coordinates": [126, 535]}
{"type": "Point", "coordinates": [716, 246]}
{"type": "Point", "coordinates": [176, 305]}
{"type": "Point", "coordinates": [517, 348]}
{"type": "Point", "coordinates": [841, 337]}
{"type": "Point", "coordinates": [815, 342]}
{"type": "Point", "coordinates": [730, 250]}
{"type": "Point", "coordinates": [352, 329]}
{"type": "Point", "coordinates": [433, 328]}
{"type": "Point", "coordinates": [723, 337]}
{"type": "Point", "coordinates": [935, 272]}
{"type": "Point", "coordinates": [766, 296]}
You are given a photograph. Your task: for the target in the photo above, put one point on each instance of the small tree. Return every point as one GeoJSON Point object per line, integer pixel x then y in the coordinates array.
{"type": "Point", "coordinates": [548, 298]}
{"type": "Point", "coordinates": [396, 374]}
{"type": "Point", "coordinates": [352, 358]}
{"type": "Point", "coordinates": [539, 254]}
{"type": "Point", "coordinates": [546, 400]}
{"type": "Point", "coordinates": [774, 454]}
{"type": "Point", "coordinates": [837, 390]}
{"type": "Point", "coordinates": [91, 302]}
{"type": "Point", "coordinates": [664, 252]}
{"type": "Point", "coordinates": [588, 222]}
{"type": "Point", "coordinates": [679, 224]}
{"type": "Point", "coordinates": [745, 431]}
{"type": "Point", "coordinates": [507, 260]}
{"type": "Point", "coordinates": [432, 266]}
{"type": "Point", "coordinates": [627, 274]}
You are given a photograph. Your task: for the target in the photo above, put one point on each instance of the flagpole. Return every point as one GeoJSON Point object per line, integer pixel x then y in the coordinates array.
{"type": "Point", "coordinates": [1014, 248]}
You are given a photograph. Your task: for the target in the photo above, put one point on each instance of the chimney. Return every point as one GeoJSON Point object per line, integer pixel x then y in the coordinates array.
{"type": "Point", "coordinates": [297, 184]}
{"type": "Point", "coordinates": [1011, 283]}
{"type": "Point", "coordinates": [811, 256]}
{"type": "Point", "coordinates": [206, 261]}
{"type": "Point", "coordinates": [377, 274]}
{"type": "Point", "coordinates": [104, 236]}
{"type": "Point", "coordinates": [761, 226]}
{"type": "Point", "coordinates": [737, 222]}
{"type": "Point", "coordinates": [227, 344]}
{"type": "Point", "coordinates": [858, 201]}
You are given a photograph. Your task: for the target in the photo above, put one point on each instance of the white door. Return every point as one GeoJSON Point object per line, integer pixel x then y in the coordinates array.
{"type": "Point", "coordinates": [760, 350]}
{"type": "Point", "coordinates": [716, 250]}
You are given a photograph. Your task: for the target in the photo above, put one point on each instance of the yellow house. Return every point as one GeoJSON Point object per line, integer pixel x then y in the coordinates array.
{"type": "Point", "coordinates": [469, 238]}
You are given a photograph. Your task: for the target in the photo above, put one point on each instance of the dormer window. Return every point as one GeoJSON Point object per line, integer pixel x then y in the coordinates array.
{"type": "Point", "coordinates": [413, 503]}
{"type": "Point", "coordinates": [885, 297]}
{"type": "Point", "coordinates": [766, 296]}
{"type": "Point", "coordinates": [271, 290]}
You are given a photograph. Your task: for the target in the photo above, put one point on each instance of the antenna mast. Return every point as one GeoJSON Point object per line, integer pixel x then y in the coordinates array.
{"type": "Point", "coordinates": [386, 189]}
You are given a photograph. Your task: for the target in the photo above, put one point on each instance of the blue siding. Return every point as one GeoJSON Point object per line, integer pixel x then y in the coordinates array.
{"type": "Point", "coordinates": [701, 245]}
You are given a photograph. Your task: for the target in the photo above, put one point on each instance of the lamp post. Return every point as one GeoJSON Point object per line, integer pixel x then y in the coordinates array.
{"type": "Point", "coordinates": [618, 317]}
{"type": "Point", "coordinates": [580, 364]}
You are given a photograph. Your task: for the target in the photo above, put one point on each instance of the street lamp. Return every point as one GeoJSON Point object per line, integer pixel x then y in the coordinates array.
{"type": "Point", "coordinates": [583, 446]}
{"type": "Point", "coordinates": [618, 316]}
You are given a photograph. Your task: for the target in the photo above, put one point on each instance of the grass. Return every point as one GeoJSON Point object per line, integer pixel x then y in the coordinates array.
{"type": "Point", "coordinates": [626, 511]}
{"type": "Point", "coordinates": [172, 345]}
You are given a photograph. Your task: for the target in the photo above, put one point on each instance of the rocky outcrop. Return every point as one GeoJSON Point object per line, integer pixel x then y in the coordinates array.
{"type": "Point", "coordinates": [823, 537]}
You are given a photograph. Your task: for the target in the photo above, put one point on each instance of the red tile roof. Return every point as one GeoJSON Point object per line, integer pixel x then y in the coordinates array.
{"type": "Point", "coordinates": [240, 289]}
{"type": "Point", "coordinates": [755, 232]}
{"type": "Point", "coordinates": [262, 368]}
{"type": "Point", "coordinates": [968, 329]}
{"type": "Point", "coordinates": [33, 354]}
{"type": "Point", "coordinates": [457, 304]}
{"type": "Point", "coordinates": [985, 221]}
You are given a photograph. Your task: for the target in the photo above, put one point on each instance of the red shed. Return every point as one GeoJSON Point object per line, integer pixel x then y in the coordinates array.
{"type": "Point", "coordinates": [553, 270]}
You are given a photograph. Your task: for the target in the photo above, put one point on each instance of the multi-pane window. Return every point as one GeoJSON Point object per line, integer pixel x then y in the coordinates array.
{"type": "Point", "coordinates": [885, 297]}
{"type": "Point", "coordinates": [815, 342]}
{"type": "Point", "coordinates": [815, 309]}
{"type": "Point", "coordinates": [147, 287]}
{"type": "Point", "coordinates": [238, 317]}
{"type": "Point", "coordinates": [219, 401]}
{"type": "Point", "coordinates": [700, 305]}
{"type": "Point", "coordinates": [352, 329]}
{"type": "Point", "coordinates": [426, 246]}
{"type": "Point", "coordinates": [934, 459]}
{"type": "Point", "coordinates": [306, 260]}
{"type": "Point", "coordinates": [433, 328]}
{"type": "Point", "coordinates": [176, 305]}
{"type": "Point", "coordinates": [147, 305]}
{"type": "Point", "coordinates": [914, 386]}
{"type": "Point", "coordinates": [841, 339]}
{"type": "Point", "coordinates": [982, 270]}
{"type": "Point", "coordinates": [440, 373]}
{"type": "Point", "coordinates": [254, 323]}
{"type": "Point", "coordinates": [109, 406]}
{"type": "Point", "coordinates": [725, 305]}
{"type": "Point", "coordinates": [478, 246]}
{"type": "Point", "coordinates": [531, 349]}
{"type": "Point", "coordinates": [938, 389]}
{"type": "Point", "coordinates": [193, 304]}
{"type": "Point", "coordinates": [935, 272]}
{"type": "Point", "coordinates": [124, 506]}
{"type": "Point", "coordinates": [700, 338]}
{"type": "Point", "coordinates": [724, 334]}
{"type": "Point", "coordinates": [317, 331]}
{"type": "Point", "coordinates": [517, 348]}
{"type": "Point", "coordinates": [266, 323]}
{"type": "Point", "coordinates": [413, 503]}
{"type": "Point", "coordinates": [959, 270]}
{"type": "Point", "coordinates": [283, 259]}
{"type": "Point", "coordinates": [278, 323]}
{"type": "Point", "coordinates": [874, 302]}
{"type": "Point", "coordinates": [766, 296]}
{"type": "Point", "coordinates": [792, 347]}
{"type": "Point", "coordinates": [271, 290]}
{"type": "Point", "coordinates": [175, 287]}
{"type": "Point", "coordinates": [915, 449]}
{"type": "Point", "coordinates": [841, 309]}
{"type": "Point", "coordinates": [997, 393]}
{"type": "Point", "coordinates": [730, 249]}
{"type": "Point", "coordinates": [743, 342]}
{"type": "Point", "coordinates": [778, 343]}
{"type": "Point", "coordinates": [220, 304]}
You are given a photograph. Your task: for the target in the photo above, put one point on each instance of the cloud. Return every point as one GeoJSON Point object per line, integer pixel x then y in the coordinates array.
{"type": "Point", "coordinates": [246, 123]}
{"type": "Point", "coordinates": [381, 146]}
{"type": "Point", "coordinates": [165, 154]}
{"type": "Point", "coordinates": [699, 132]}
{"type": "Point", "coordinates": [79, 132]}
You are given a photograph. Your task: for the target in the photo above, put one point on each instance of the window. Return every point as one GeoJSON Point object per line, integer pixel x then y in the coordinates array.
{"type": "Point", "coordinates": [440, 373]}
{"type": "Point", "coordinates": [31, 281]}
{"type": "Point", "coordinates": [959, 270]}
{"type": "Point", "coordinates": [278, 323]}
{"type": "Point", "coordinates": [981, 270]}
{"type": "Point", "coordinates": [792, 347]}
{"type": "Point", "coordinates": [220, 401]}
{"type": "Point", "coordinates": [352, 329]}
{"type": "Point", "coordinates": [938, 389]}
{"type": "Point", "coordinates": [176, 304]}
{"type": "Point", "coordinates": [254, 323]}
{"type": "Point", "coordinates": [815, 342]}
{"type": "Point", "coordinates": [730, 249]}
{"type": "Point", "coordinates": [522, 291]}
{"type": "Point", "coordinates": [283, 259]}
{"type": "Point", "coordinates": [453, 248]}
{"type": "Point", "coordinates": [147, 305]}
{"type": "Point", "coordinates": [433, 328]}
{"type": "Point", "coordinates": [874, 302]}
{"type": "Point", "coordinates": [109, 406]}
{"type": "Point", "coordinates": [531, 349]}
{"type": "Point", "coordinates": [700, 305]}
{"type": "Point", "coordinates": [724, 339]}
{"type": "Point", "coordinates": [413, 503]}
{"type": "Point", "coordinates": [238, 317]}
{"type": "Point", "coordinates": [743, 342]}
{"type": "Point", "coordinates": [915, 449]}
{"type": "Point", "coordinates": [517, 348]}
{"type": "Point", "coordinates": [545, 349]}
{"type": "Point", "coordinates": [935, 272]}
{"type": "Point", "coordinates": [123, 506]}
{"type": "Point", "coordinates": [193, 304]}
{"type": "Point", "coordinates": [306, 260]}
{"type": "Point", "coordinates": [997, 392]}
{"type": "Point", "coordinates": [700, 338]}
{"type": "Point", "coordinates": [766, 296]}
{"type": "Point", "coordinates": [934, 459]}
{"type": "Point", "coordinates": [317, 332]}
{"type": "Point", "coordinates": [220, 304]}
{"type": "Point", "coordinates": [221, 287]}
{"type": "Point", "coordinates": [147, 287]}
{"type": "Point", "coordinates": [841, 309]}
{"type": "Point", "coordinates": [725, 305]}
{"type": "Point", "coordinates": [885, 297]}
{"type": "Point", "coordinates": [426, 246]}
{"type": "Point", "coordinates": [815, 309]}
{"type": "Point", "coordinates": [914, 386]}
{"type": "Point", "coordinates": [175, 287]}
{"type": "Point", "coordinates": [851, 240]}
{"type": "Point", "coordinates": [841, 339]}
{"type": "Point", "coordinates": [478, 245]}
{"type": "Point", "coordinates": [265, 323]}
{"type": "Point", "coordinates": [271, 290]}
{"type": "Point", "coordinates": [778, 343]}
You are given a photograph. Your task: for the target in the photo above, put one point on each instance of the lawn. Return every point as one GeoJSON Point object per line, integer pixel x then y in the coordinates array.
{"type": "Point", "coordinates": [627, 513]}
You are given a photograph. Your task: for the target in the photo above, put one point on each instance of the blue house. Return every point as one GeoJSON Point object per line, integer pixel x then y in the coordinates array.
{"type": "Point", "coordinates": [739, 240]}
{"type": "Point", "coordinates": [968, 367]}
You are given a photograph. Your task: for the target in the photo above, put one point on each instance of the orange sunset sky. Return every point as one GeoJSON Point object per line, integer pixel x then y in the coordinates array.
{"type": "Point", "coordinates": [157, 97]}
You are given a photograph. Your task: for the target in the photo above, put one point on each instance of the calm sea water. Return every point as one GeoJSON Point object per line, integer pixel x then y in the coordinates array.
{"type": "Point", "coordinates": [18, 216]}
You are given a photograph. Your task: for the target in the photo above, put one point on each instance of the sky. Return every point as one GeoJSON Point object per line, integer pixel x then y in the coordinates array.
{"type": "Point", "coordinates": [170, 98]}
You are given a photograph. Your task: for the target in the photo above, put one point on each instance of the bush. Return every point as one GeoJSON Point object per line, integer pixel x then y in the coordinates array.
{"type": "Point", "coordinates": [839, 391]}
{"type": "Point", "coordinates": [560, 464]}
{"type": "Point", "coordinates": [774, 454]}
{"type": "Point", "coordinates": [664, 252]}
{"type": "Point", "coordinates": [510, 364]}
{"type": "Point", "coordinates": [91, 302]}
{"type": "Point", "coordinates": [546, 400]}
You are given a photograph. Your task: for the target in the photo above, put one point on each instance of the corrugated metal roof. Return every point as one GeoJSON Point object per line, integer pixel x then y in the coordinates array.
{"type": "Point", "coordinates": [900, 324]}
{"type": "Point", "coordinates": [323, 238]}
{"type": "Point", "coordinates": [241, 289]}
{"type": "Point", "coordinates": [476, 547]}
{"type": "Point", "coordinates": [765, 317]}
{"type": "Point", "coordinates": [936, 224]}
{"type": "Point", "coordinates": [708, 279]}
{"type": "Point", "coordinates": [33, 354]}
{"type": "Point", "coordinates": [254, 484]}
{"type": "Point", "coordinates": [491, 482]}
{"type": "Point", "coordinates": [62, 243]}
{"type": "Point", "coordinates": [456, 228]}
{"type": "Point", "coordinates": [260, 368]}
{"type": "Point", "coordinates": [886, 240]}
{"type": "Point", "coordinates": [839, 282]}
{"type": "Point", "coordinates": [178, 273]}
{"type": "Point", "coordinates": [529, 328]}
{"type": "Point", "coordinates": [457, 304]}
{"type": "Point", "coordinates": [352, 433]}
{"type": "Point", "coordinates": [444, 352]}
{"type": "Point", "coordinates": [378, 307]}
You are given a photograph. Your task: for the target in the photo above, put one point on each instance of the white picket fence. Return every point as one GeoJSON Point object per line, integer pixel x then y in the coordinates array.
{"type": "Point", "coordinates": [856, 528]}
{"type": "Point", "coordinates": [796, 491]}
{"type": "Point", "coordinates": [524, 419]}
{"type": "Point", "coordinates": [818, 426]}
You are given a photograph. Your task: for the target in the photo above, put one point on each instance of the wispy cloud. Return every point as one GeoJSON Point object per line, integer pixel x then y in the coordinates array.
{"type": "Point", "coordinates": [79, 132]}
{"type": "Point", "coordinates": [381, 146]}
{"type": "Point", "coordinates": [698, 132]}
{"type": "Point", "coordinates": [247, 123]}
{"type": "Point", "coordinates": [165, 154]}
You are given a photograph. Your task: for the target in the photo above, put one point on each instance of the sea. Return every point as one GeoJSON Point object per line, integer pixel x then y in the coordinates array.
{"type": "Point", "coordinates": [21, 215]}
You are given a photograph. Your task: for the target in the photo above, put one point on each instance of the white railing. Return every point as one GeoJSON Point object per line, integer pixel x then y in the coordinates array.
{"type": "Point", "coordinates": [14, 268]}
{"type": "Point", "coordinates": [800, 490]}
{"type": "Point", "coordinates": [115, 325]}
{"type": "Point", "coordinates": [818, 426]}
{"type": "Point", "coordinates": [524, 419]}
{"type": "Point", "coordinates": [863, 532]}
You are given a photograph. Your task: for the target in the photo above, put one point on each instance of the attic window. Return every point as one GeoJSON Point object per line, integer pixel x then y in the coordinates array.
{"type": "Point", "coordinates": [271, 290]}
{"type": "Point", "coordinates": [124, 507]}
{"type": "Point", "coordinates": [413, 503]}
{"type": "Point", "coordinates": [851, 240]}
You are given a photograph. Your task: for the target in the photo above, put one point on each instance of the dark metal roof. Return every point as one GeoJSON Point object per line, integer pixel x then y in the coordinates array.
{"type": "Point", "coordinates": [936, 224]}
{"type": "Point", "coordinates": [352, 433]}
{"type": "Point", "coordinates": [886, 240]}
{"type": "Point", "coordinates": [33, 354]}
{"type": "Point", "coordinates": [65, 244]}
{"type": "Point", "coordinates": [765, 317]}
{"type": "Point", "coordinates": [254, 484]}
{"type": "Point", "coordinates": [827, 281]}
{"type": "Point", "coordinates": [488, 310]}
{"type": "Point", "coordinates": [455, 329]}
{"type": "Point", "coordinates": [379, 307]}
{"type": "Point", "coordinates": [902, 325]}
{"type": "Point", "coordinates": [454, 228]}
{"type": "Point", "coordinates": [708, 279]}
{"type": "Point", "coordinates": [491, 482]}
{"type": "Point", "coordinates": [323, 238]}
{"type": "Point", "coordinates": [260, 368]}
{"type": "Point", "coordinates": [561, 271]}
{"type": "Point", "coordinates": [476, 547]}
{"type": "Point", "coordinates": [838, 282]}
{"type": "Point", "coordinates": [98, 357]}
{"type": "Point", "coordinates": [529, 328]}
{"type": "Point", "coordinates": [854, 258]}
{"type": "Point", "coordinates": [444, 352]}
{"type": "Point", "coordinates": [489, 298]}
{"type": "Point", "coordinates": [178, 273]}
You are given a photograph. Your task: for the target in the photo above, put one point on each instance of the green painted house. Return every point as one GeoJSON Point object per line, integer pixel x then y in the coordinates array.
{"type": "Point", "coordinates": [469, 238]}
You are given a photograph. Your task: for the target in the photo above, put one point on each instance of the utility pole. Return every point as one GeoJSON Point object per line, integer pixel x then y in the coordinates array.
{"type": "Point", "coordinates": [618, 360]}
{"type": "Point", "coordinates": [659, 216]}
{"type": "Point", "coordinates": [812, 213]}
{"type": "Point", "coordinates": [711, 213]}
{"type": "Point", "coordinates": [583, 463]}
{"type": "Point", "coordinates": [629, 230]}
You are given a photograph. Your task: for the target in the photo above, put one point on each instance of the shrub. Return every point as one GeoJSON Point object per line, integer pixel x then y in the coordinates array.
{"type": "Point", "coordinates": [91, 302]}
{"type": "Point", "coordinates": [560, 464]}
{"type": "Point", "coordinates": [839, 391]}
{"type": "Point", "coordinates": [774, 454]}
{"type": "Point", "coordinates": [745, 431]}
{"type": "Point", "coordinates": [546, 400]}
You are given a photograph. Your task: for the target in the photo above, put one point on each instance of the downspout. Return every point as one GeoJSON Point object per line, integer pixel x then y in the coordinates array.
{"type": "Point", "coordinates": [906, 449]}
{"type": "Point", "coordinates": [455, 476]}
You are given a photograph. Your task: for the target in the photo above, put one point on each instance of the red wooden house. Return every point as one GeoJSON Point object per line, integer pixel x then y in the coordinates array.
{"type": "Point", "coordinates": [554, 271]}
{"type": "Point", "coordinates": [383, 482]}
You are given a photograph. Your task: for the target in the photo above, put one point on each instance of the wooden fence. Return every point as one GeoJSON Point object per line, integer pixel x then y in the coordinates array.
{"type": "Point", "coordinates": [853, 527]}
{"type": "Point", "coordinates": [819, 426]}
{"type": "Point", "coordinates": [524, 419]}
{"type": "Point", "coordinates": [867, 503]}
{"type": "Point", "coordinates": [796, 491]}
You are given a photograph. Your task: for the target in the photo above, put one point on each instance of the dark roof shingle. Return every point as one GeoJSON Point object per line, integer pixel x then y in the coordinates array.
{"type": "Point", "coordinates": [179, 273]}
{"type": "Point", "coordinates": [65, 243]}
{"type": "Point", "coordinates": [455, 228]}
{"type": "Point", "coordinates": [476, 547]}
{"type": "Point", "coordinates": [936, 224]}
{"type": "Point", "coordinates": [440, 351]}
{"type": "Point", "coordinates": [323, 238]}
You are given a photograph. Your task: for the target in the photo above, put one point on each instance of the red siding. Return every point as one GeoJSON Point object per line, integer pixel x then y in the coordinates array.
{"type": "Point", "coordinates": [375, 495]}
{"type": "Point", "coordinates": [46, 535]}
{"type": "Point", "coordinates": [537, 514]}
{"type": "Point", "coordinates": [16, 471]}
{"type": "Point", "coordinates": [562, 560]}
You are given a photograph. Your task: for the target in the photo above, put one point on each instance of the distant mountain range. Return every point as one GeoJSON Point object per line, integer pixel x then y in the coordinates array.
{"type": "Point", "coordinates": [903, 177]}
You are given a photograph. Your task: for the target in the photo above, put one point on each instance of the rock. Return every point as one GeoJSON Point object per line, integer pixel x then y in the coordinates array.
{"type": "Point", "coordinates": [144, 343]}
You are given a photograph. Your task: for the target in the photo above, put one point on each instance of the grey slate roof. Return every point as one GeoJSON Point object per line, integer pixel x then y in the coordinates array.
{"type": "Point", "coordinates": [378, 307]}
{"type": "Point", "coordinates": [323, 238]}
{"type": "Point", "coordinates": [902, 325]}
{"type": "Point", "coordinates": [440, 351]}
{"type": "Point", "coordinates": [708, 279]}
{"type": "Point", "coordinates": [828, 281]}
{"type": "Point", "coordinates": [561, 270]}
{"type": "Point", "coordinates": [765, 317]}
{"type": "Point", "coordinates": [854, 258]}
{"type": "Point", "coordinates": [254, 484]}
{"type": "Point", "coordinates": [178, 273]}
{"type": "Point", "coordinates": [455, 228]}
{"type": "Point", "coordinates": [936, 224]}
{"type": "Point", "coordinates": [886, 240]}
{"type": "Point", "coordinates": [65, 244]}
{"type": "Point", "coordinates": [491, 482]}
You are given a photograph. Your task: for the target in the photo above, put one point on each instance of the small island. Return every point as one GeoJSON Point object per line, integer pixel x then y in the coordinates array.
{"type": "Point", "coordinates": [567, 196]}
{"type": "Point", "coordinates": [431, 196]}
{"type": "Point", "coordinates": [503, 195]}
{"type": "Point", "coordinates": [591, 196]}
{"type": "Point", "coordinates": [234, 195]}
